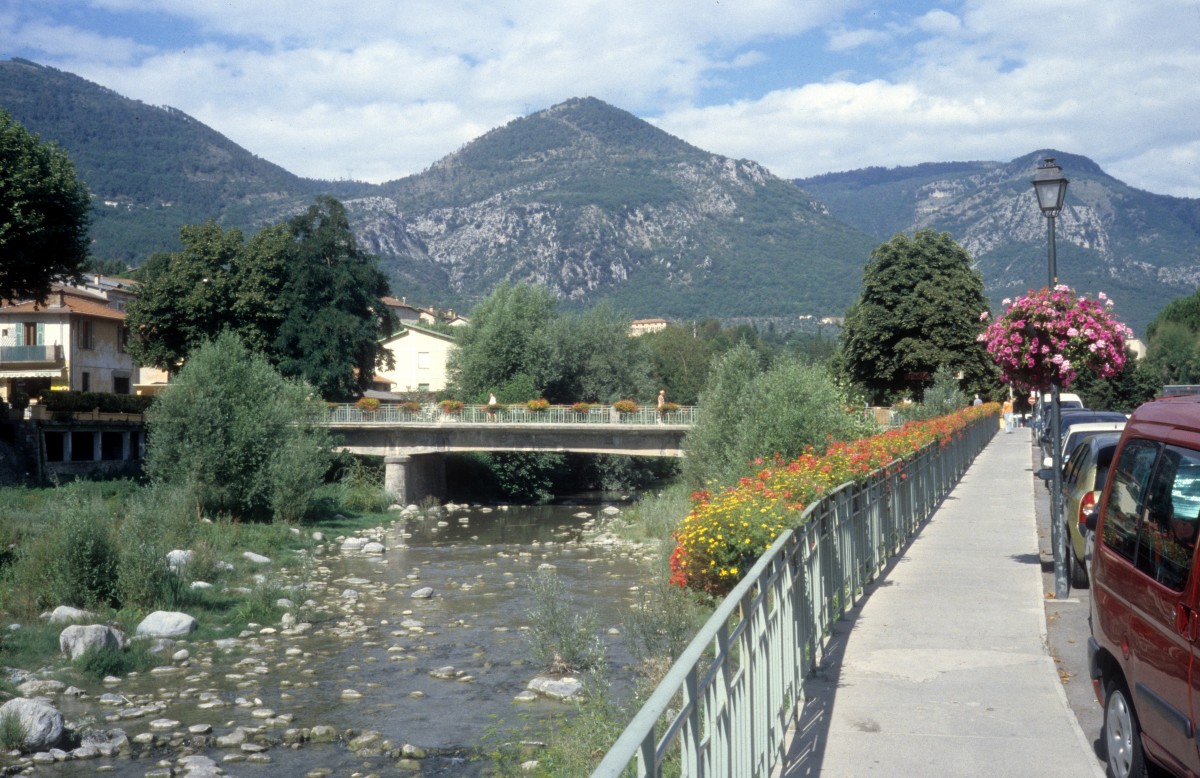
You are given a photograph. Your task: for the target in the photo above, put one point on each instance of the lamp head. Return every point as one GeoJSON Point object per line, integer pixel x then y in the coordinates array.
{"type": "Point", "coordinates": [1050, 186]}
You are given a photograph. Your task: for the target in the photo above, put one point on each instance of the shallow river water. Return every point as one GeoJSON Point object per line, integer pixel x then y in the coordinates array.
{"type": "Point", "coordinates": [477, 561]}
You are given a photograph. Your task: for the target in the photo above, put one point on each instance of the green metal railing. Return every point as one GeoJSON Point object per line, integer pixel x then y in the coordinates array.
{"type": "Point", "coordinates": [724, 707]}
{"type": "Point", "coordinates": [480, 414]}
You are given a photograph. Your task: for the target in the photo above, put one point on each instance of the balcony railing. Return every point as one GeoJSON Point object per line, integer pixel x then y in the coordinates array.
{"type": "Point", "coordinates": [13, 355]}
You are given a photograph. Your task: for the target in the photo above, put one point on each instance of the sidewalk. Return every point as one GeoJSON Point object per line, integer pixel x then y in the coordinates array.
{"type": "Point", "coordinates": [943, 669]}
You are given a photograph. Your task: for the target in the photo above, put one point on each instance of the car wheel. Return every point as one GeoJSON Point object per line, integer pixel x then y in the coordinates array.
{"type": "Point", "coordinates": [1078, 568]}
{"type": "Point", "coordinates": [1122, 734]}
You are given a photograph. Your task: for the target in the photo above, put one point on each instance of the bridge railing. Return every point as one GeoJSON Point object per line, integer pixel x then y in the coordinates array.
{"type": "Point", "coordinates": [724, 707]}
{"type": "Point", "coordinates": [430, 413]}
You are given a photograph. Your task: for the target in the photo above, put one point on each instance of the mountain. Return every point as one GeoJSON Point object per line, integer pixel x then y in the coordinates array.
{"type": "Point", "coordinates": [150, 169]}
{"type": "Point", "coordinates": [1140, 248]}
{"type": "Point", "coordinates": [595, 203]}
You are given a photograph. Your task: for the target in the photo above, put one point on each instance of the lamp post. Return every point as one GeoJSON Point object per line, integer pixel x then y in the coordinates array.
{"type": "Point", "coordinates": [1051, 189]}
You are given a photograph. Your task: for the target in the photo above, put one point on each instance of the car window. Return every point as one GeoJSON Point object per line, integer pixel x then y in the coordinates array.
{"type": "Point", "coordinates": [1103, 462]}
{"type": "Point", "coordinates": [1077, 464]}
{"type": "Point", "coordinates": [1125, 498]}
{"type": "Point", "coordinates": [1172, 500]}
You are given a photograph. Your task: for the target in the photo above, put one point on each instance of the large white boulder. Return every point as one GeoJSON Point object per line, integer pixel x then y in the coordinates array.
{"type": "Point", "coordinates": [179, 557]}
{"type": "Point", "coordinates": [40, 721]}
{"type": "Point", "coordinates": [166, 624]}
{"type": "Point", "coordinates": [65, 614]}
{"type": "Point", "coordinates": [76, 639]}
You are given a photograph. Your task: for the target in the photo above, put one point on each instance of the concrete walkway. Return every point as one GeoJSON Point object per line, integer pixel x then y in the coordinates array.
{"type": "Point", "coordinates": [943, 669]}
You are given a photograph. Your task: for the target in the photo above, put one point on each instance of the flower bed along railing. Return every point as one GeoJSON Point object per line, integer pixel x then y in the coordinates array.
{"type": "Point", "coordinates": [725, 705]}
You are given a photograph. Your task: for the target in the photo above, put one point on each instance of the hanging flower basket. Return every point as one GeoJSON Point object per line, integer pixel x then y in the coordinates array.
{"type": "Point", "coordinates": [538, 404]}
{"type": "Point", "coordinates": [1049, 336]}
{"type": "Point", "coordinates": [451, 406]}
{"type": "Point", "coordinates": [582, 407]}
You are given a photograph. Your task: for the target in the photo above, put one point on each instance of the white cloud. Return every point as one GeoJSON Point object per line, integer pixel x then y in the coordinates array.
{"type": "Point", "coordinates": [378, 89]}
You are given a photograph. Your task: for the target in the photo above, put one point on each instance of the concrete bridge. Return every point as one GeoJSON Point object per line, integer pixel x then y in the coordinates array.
{"type": "Point", "coordinates": [413, 444]}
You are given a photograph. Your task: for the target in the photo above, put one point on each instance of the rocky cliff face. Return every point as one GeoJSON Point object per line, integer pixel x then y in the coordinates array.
{"type": "Point", "coordinates": [591, 201]}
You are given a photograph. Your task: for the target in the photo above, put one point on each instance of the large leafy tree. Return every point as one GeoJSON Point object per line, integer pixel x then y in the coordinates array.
{"type": "Point", "coordinates": [501, 349]}
{"type": "Point", "coordinates": [44, 212]}
{"type": "Point", "coordinates": [333, 316]}
{"type": "Point", "coordinates": [918, 311]}
{"type": "Point", "coordinates": [302, 294]}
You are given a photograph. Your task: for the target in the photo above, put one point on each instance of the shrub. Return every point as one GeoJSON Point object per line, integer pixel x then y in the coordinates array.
{"type": "Point", "coordinates": [12, 732]}
{"type": "Point", "coordinates": [89, 401]}
{"type": "Point", "coordinates": [561, 639]}
{"type": "Point", "coordinates": [625, 406]}
{"type": "Point", "coordinates": [243, 439]}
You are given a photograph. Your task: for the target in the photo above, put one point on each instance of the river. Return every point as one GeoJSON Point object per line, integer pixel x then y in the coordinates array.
{"type": "Point", "coordinates": [365, 640]}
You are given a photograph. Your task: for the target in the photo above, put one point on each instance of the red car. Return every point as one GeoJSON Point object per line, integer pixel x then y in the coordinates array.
{"type": "Point", "coordinates": [1144, 653]}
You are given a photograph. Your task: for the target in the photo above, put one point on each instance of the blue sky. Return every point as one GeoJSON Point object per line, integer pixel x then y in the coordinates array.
{"type": "Point", "coordinates": [379, 89]}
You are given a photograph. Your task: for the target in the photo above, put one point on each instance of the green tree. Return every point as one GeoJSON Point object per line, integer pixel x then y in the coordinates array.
{"type": "Point", "coordinates": [1138, 383]}
{"type": "Point", "coordinates": [185, 298]}
{"type": "Point", "coordinates": [748, 413]}
{"type": "Point", "coordinates": [591, 357]}
{"type": "Point", "coordinates": [301, 293]}
{"type": "Point", "coordinates": [241, 437]}
{"type": "Point", "coordinates": [44, 215]}
{"type": "Point", "coordinates": [918, 311]}
{"type": "Point", "coordinates": [679, 362]}
{"type": "Point", "coordinates": [1173, 342]}
{"type": "Point", "coordinates": [501, 349]}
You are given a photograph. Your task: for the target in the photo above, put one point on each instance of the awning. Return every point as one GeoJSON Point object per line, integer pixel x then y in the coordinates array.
{"type": "Point", "coordinates": [30, 374]}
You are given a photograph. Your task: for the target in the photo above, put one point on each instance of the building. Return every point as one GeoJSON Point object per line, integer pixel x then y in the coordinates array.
{"type": "Point", "coordinates": [75, 339]}
{"type": "Point", "coordinates": [641, 326]}
{"type": "Point", "coordinates": [412, 314]}
{"type": "Point", "coordinates": [420, 357]}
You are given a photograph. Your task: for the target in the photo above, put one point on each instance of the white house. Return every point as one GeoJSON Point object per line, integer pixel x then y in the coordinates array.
{"type": "Point", "coordinates": [420, 357]}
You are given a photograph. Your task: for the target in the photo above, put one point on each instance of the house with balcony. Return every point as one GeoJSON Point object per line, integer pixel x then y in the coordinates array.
{"type": "Point", "coordinates": [74, 339]}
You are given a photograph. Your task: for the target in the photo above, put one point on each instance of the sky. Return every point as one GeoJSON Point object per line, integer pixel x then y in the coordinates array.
{"type": "Point", "coordinates": [375, 90]}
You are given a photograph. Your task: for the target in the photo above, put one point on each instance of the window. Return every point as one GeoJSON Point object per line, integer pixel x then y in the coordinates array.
{"type": "Point", "coordinates": [1127, 495]}
{"type": "Point", "coordinates": [85, 382]}
{"type": "Point", "coordinates": [122, 338]}
{"type": "Point", "coordinates": [422, 360]}
{"type": "Point", "coordinates": [32, 333]}
{"type": "Point", "coordinates": [86, 336]}
{"type": "Point", "coordinates": [120, 384]}
{"type": "Point", "coordinates": [422, 387]}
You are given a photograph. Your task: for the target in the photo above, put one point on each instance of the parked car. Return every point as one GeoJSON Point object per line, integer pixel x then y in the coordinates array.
{"type": "Point", "coordinates": [1144, 652]}
{"type": "Point", "coordinates": [1082, 483]}
{"type": "Point", "coordinates": [1074, 417]}
{"type": "Point", "coordinates": [1074, 434]}
{"type": "Point", "coordinates": [1041, 410]}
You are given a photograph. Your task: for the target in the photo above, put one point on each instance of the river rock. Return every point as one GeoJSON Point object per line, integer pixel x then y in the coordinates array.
{"type": "Point", "coordinates": [77, 639]}
{"type": "Point", "coordinates": [424, 593]}
{"type": "Point", "coordinates": [370, 743]}
{"type": "Point", "coordinates": [199, 766]}
{"type": "Point", "coordinates": [166, 624]}
{"type": "Point", "coordinates": [555, 688]}
{"type": "Point", "coordinates": [40, 721]}
{"type": "Point", "coordinates": [374, 548]}
{"type": "Point", "coordinates": [257, 559]}
{"type": "Point", "coordinates": [179, 557]}
{"type": "Point", "coordinates": [65, 614]}
{"type": "Point", "coordinates": [353, 545]}
{"type": "Point", "coordinates": [40, 687]}
{"type": "Point", "coordinates": [234, 739]}
{"type": "Point", "coordinates": [322, 733]}
{"type": "Point", "coordinates": [610, 510]}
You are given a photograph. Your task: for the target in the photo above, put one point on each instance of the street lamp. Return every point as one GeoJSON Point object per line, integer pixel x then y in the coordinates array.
{"type": "Point", "coordinates": [1051, 189]}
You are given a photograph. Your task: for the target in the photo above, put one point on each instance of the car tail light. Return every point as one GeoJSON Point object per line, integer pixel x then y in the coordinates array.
{"type": "Point", "coordinates": [1085, 506]}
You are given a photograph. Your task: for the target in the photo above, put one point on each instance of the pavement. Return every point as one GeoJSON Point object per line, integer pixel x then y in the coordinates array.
{"type": "Point", "coordinates": [944, 667]}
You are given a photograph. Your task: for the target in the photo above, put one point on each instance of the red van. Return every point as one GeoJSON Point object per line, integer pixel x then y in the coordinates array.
{"type": "Point", "coordinates": [1144, 653]}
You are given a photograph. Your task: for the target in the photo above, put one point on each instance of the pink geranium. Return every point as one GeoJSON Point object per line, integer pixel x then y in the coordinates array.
{"type": "Point", "coordinates": [1050, 335]}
